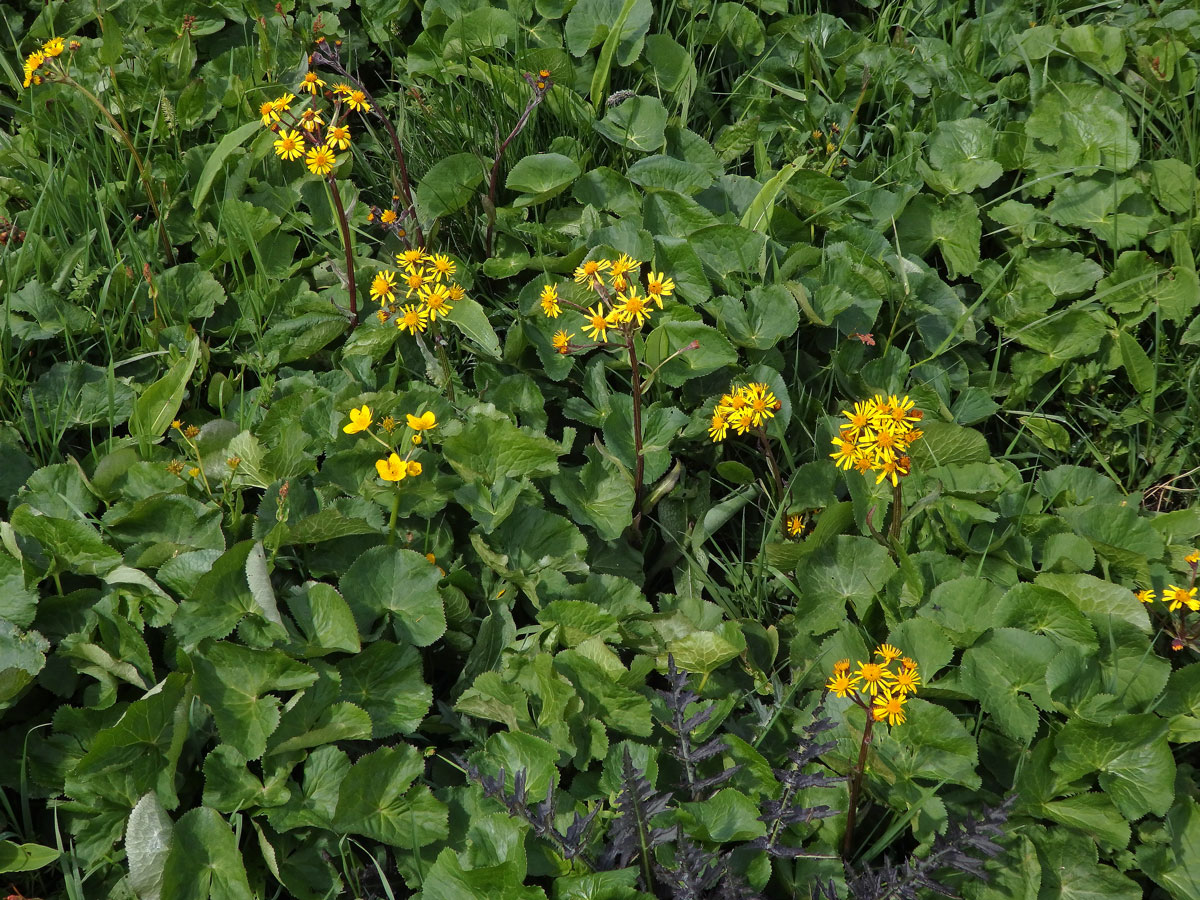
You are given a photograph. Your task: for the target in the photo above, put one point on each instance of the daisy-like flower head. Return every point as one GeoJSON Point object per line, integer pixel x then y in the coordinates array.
{"type": "Point", "coordinates": [761, 401]}
{"type": "Point", "coordinates": [871, 675]}
{"type": "Point", "coordinates": [457, 292]}
{"type": "Point", "coordinates": [342, 90]}
{"type": "Point", "coordinates": [658, 285]}
{"type": "Point", "coordinates": [357, 101]}
{"type": "Point", "coordinates": [437, 302]}
{"type": "Point", "coordinates": [1177, 597]}
{"type": "Point", "coordinates": [892, 469]}
{"type": "Point", "coordinates": [908, 663]}
{"type": "Point", "coordinates": [1146, 596]}
{"type": "Point", "coordinates": [847, 453]}
{"type": "Point", "coordinates": [741, 419]}
{"type": "Point", "coordinates": [320, 160]}
{"type": "Point", "coordinates": [414, 256]}
{"type": "Point", "coordinates": [860, 419]}
{"type": "Point", "coordinates": [889, 707]}
{"type": "Point", "coordinates": [388, 216]}
{"type": "Point", "coordinates": [842, 665]}
{"type": "Point", "coordinates": [267, 111]}
{"type": "Point", "coordinates": [623, 265]}
{"type": "Point", "coordinates": [338, 137]}
{"type": "Point", "coordinates": [415, 279]}
{"type": "Point", "coordinates": [392, 469]}
{"type": "Point", "coordinates": [633, 306]}
{"type": "Point", "coordinates": [795, 525]}
{"type": "Point", "coordinates": [904, 681]}
{"type": "Point", "coordinates": [589, 273]}
{"type": "Point", "coordinates": [719, 427]}
{"type": "Point", "coordinates": [383, 286]}
{"type": "Point", "coordinates": [311, 83]}
{"type": "Point", "coordinates": [562, 342]}
{"type": "Point", "coordinates": [598, 323]}
{"type": "Point", "coordinates": [289, 145]}
{"type": "Point", "coordinates": [360, 420]}
{"type": "Point", "coordinates": [412, 318]}
{"type": "Point", "coordinates": [1193, 558]}
{"type": "Point", "coordinates": [423, 422]}
{"type": "Point", "coordinates": [888, 653]}
{"type": "Point", "coordinates": [53, 47]}
{"type": "Point", "coordinates": [311, 120]}
{"type": "Point", "coordinates": [880, 444]}
{"type": "Point", "coordinates": [441, 266]}
{"type": "Point", "coordinates": [549, 300]}
{"type": "Point", "coordinates": [283, 102]}
{"type": "Point", "coordinates": [840, 684]}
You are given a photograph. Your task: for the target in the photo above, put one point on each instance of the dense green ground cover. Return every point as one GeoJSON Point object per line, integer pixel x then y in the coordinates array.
{"type": "Point", "coordinates": [239, 658]}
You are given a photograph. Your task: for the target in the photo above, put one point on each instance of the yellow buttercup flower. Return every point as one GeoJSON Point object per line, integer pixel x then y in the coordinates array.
{"type": "Point", "coordinates": [1192, 558]}
{"type": "Point", "coordinates": [311, 120]}
{"type": "Point", "coordinates": [360, 420]}
{"type": "Point", "coordinates": [388, 216]}
{"type": "Point", "coordinates": [888, 653]}
{"type": "Point", "coordinates": [411, 257]}
{"type": "Point", "coordinates": [266, 110]}
{"type": "Point", "coordinates": [423, 422]}
{"type": "Point", "coordinates": [905, 681]}
{"type": "Point", "coordinates": [392, 469]}
{"type": "Point", "coordinates": [414, 468]}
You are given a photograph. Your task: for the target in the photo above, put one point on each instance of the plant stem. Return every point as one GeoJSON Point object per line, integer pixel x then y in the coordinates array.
{"type": "Point", "coordinates": [765, 443]}
{"type": "Point", "coordinates": [495, 173]}
{"type": "Point", "coordinates": [137, 159]}
{"type": "Point", "coordinates": [856, 783]}
{"type": "Point", "coordinates": [447, 372]}
{"type": "Point", "coordinates": [394, 517]}
{"type": "Point", "coordinates": [345, 229]}
{"type": "Point", "coordinates": [897, 511]}
{"type": "Point", "coordinates": [640, 459]}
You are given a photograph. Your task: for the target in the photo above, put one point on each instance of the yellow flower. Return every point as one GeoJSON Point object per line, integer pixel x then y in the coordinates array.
{"type": "Point", "coordinates": [175, 467]}
{"type": "Point", "coordinates": [457, 292]}
{"type": "Point", "coordinates": [1177, 597]}
{"type": "Point", "coordinates": [437, 302]}
{"type": "Point", "coordinates": [893, 469]}
{"type": "Point", "coordinates": [847, 453]}
{"type": "Point", "coordinates": [589, 272]}
{"type": "Point", "coordinates": [311, 83]}
{"type": "Point", "coordinates": [423, 422]}
{"type": "Point", "coordinates": [338, 137]}
{"type": "Point", "coordinates": [391, 469]}
{"type": "Point", "coordinates": [194, 472]}
{"type": "Point", "coordinates": [360, 420]}
{"type": "Point", "coordinates": [860, 419]}
{"type": "Point", "coordinates": [383, 286]}
{"type": "Point", "coordinates": [413, 318]}
{"type": "Point", "coordinates": [1192, 558]}
{"type": "Point", "coordinates": [905, 681]}
{"type": "Point", "coordinates": [320, 160]}
{"type": "Point", "coordinates": [888, 653]}
{"type": "Point", "coordinates": [872, 674]}
{"type": "Point", "coordinates": [357, 101]}
{"type": "Point", "coordinates": [266, 110]}
{"type": "Point", "coordinates": [795, 525]}
{"type": "Point", "coordinates": [52, 47]}
{"type": "Point", "coordinates": [719, 427]}
{"type": "Point", "coordinates": [549, 301]}
{"type": "Point", "coordinates": [388, 217]}
{"type": "Point", "coordinates": [889, 707]}
{"type": "Point", "coordinates": [415, 279]}
{"type": "Point", "coordinates": [658, 285]}
{"type": "Point", "coordinates": [414, 468]}
{"type": "Point", "coordinates": [388, 424]}
{"type": "Point", "coordinates": [761, 402]}
{"type": "Point", "coordinates": [289, 145]}
{"type": "Point", "coordinates": [411, 257]}
{"type": "Point", "coordinates": [840, 684]}
{"type": "Point", "coordinates": [1146, 596]}
{"type": "Point", "coordinates": [623, 266]}
{"type": "Point", "coordinates": [342, 90]}
{"type": "Point", "coordinates": [442, 266]}
{"type": "Point", "coordinates": [741, 419]}
{"type": "Point", "coordinates": [177, 425]}
{"type": "Point", "coordinates": [597, 324]}
{"type": "Point", "coordinates": [842, 665]}
{"type": "Point", "coordinates": [633, 306]}
{"type": "Point", "coordinates": [562, 342]}
{"type": "Point", "coordinates": [310, 120]}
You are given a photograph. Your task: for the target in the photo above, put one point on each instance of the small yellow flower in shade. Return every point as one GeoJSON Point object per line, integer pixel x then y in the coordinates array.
{"type": "Point", "coordinates": [1177, 597]}
{"type": "Point", "coordinates": [795, 525]}
{"type": "Point", "coordinates": [411, 257]}
{"type": "Point", "coordinates": [633, 306]}
{"type": "Point", "coordinates": [388, 216]}
{"type": "Point", "coordinates": [388, 424]}
{"type": "Point", "coordinates": [383, 286]}
{"type": "Point", "coordinates": [414, 468]}
{"type": "Point", "coordinates": [413, 319]}
{"type": "Point", "coordinates": [432, 559]}
{"type": "Point", "coordinates": [320, 160]}
{"type": "Point", "coordinates": [191, 432]}
{"type": "Point", "coordinates": [658, 285]}
{"type": "Point", "coordinates": [908, 663]}
{"type": "Point", "coordinates": [289, 145]}
{"type": "Point", "coordinates": [442, 266]}
{"type": "Point", "coordinates": [177, 425]}
{"type": "Point", "coordinates": [623, 266]}
{"type": "Point", "coordinates": [357, 101]}
{"type": "Point", "coordinates": [457, 292]}
{"type": "Point", "coordinates": [341, 90]}
{"type": "Point", "coordinates": [888, 653]}
{"type": "Point", "coordinates": [338, 137]}
{"type": "Point", "coordinates": [437, 302]}
{"type": "Point", "coordinates": [589, 273]}
{"type": "Point", "coordinates": [905, 681]}
{"type": "Point", "coordinates": [846, 454]}
{"type": "Point", "coordinates": [392, 469]}
{"type": "Point", "coordinates": [311, 83]}
{"type": "Point", "coordinates": [839, 684]}
{"type": "Point", "coordinates": [283, 102]}
{"type": "Point", "coordinates": [423, 422]}
{"type": "Point", "coordinates": [889, 707]}
{"type": "Point", "coordinates": [52, 47]}
{"type": "Point", "coordinates": [194, 472]}
{"type": "Point", "coordinates": [719, 428]}
{"type": "Point", "coordinates": [598, 324]}
{"type": "Point", "coordinates": [871, 674]}
{"type": "Point", "coordinates": [360, 420]}
{"type": "Point", "coordinates": [1146, 596]}
{"type": "Point", "coordinates": [842, 665]}
{"type": "Point", "coordinates": [562, 342]}
{"type": "Point", "coordinates": [549, 301]}
{"type": "Point", "coordinates": [310, 120]}
{"type": "Point", "coordinates": [1192, 558]}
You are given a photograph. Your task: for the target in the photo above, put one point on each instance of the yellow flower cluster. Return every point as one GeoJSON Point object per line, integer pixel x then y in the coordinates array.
{"type": "Point", "coordinates": [743, 408]}
{"type": "Point", "coordinates": [1175, 597]}
{"type": "Point", "coordinates": [620, 306]}
{"type": "Point", "coordinates": [393, 467]}
{"type": "Point", "coordinates": [426, 279]}
{"type": "Point", "coordinates": [887, 689]}
{"type": "Point", "coordinates": [35, 60]}
{"type": "Point", "coordinates": [877, 435]}
{"type": "Point", "coordinates": [306, 133]}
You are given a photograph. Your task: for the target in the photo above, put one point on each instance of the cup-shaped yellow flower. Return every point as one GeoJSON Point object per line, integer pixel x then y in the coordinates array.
{"type": "Point", "coordinates": [360, 420]}
{"type": "Point", "coordinates": [423, 422]}
{"type": "Point", "coordinates": [413, 468]}
{"type": "Point", "coordinates": [392, 469]}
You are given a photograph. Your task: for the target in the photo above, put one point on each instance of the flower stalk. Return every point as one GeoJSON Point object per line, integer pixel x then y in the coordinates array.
{"type": "Point", "coordinates": [541, 86]}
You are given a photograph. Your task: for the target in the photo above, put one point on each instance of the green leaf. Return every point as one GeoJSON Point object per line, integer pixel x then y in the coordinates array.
{"type": "Point", "coordinates": [324, 618]}
{"type": "Point", "coordinates": [728, 815]}
{"type": "Point", "coordinates": [159, 403]}
{"type": "Point", "coordinates": [954, 604]}
{"type": "Point", "coordinates": [932, 745]}
{"type": "Point", "coordinates": [1039, 609]}
{"type": "Point", "coordinates": [713, 352]}
{"type": "Point", "coordinates": [377, 799]}
{"type": "Point", "coordinates": [1092, 814]}
{"type": "Point", "coordinates": [216, 159]}
{"type": "Point", "coordinates": [235, 682]}
{"type": "Point", "coordinates": [1071, 870]}
{"type": "Point", "coordinates": [541, 175]}
{"type": "Point", "coordinates": [1117, 532]}
{"type": "Point", "coordinates": [22, 656]}
{"type": "Point", "coordinates": [448, 880]}
{"type": "Point", "coordinates": [848, 569]}
{"type": "Point", "coordinates": [961, 156]}
{"type": "Point", "coordinates": [219, 599]}
{"type": "Point", "coordinates": [769, 315]}
{"type": "Point", "coordinates": [1172, 864]}
{"type": "Point", "coordinates": [386, 681]}
{"type": "Point", "coordinates": [25, 857]}
{"type": "Point", "coordinates": [591, 23]}
{"type": "Point", "coordinates": [947, 444]}
{"type": "Point", "coordinates": [1131, 755]}
{"type": "Point", "coordinates": [703, 652]}
{"type": "Point", "coordinates": [729, 248]}
{"type": "Point", "coordinates": [596, 494]}
{"type": "Point", "coordinates": [660, 426]}
{"type": "Point", "coordinates": [638, 123]}
{"type": "Point", "coordinates": [449, 185]}
{"type": "Point", "coordinates": [469, 318]}
{"type": "Point", "coordinates": [1086, 124]}
{"type": "Point", "coordinates": [172, 519]}
{"type": "Point", "coordinates": [666, 173]}
{"type": "Point", "coordinates": [400, 585]}
{"type": "Point", "coordinates": [71, 544]}
{"type": "Point", "coordinates": [490, 447]}
{"type": "Point", "coordinates": [204, 862]}
{"type": "Point", "coordinates": [515, 752]}
{"type": "Point", "coordinates": [1100, 46]}
{"type": "Point", "coordinates": [147, 842]}
{"type": "Point", "coordinates": [1001, 666]}
{"type": "Point", "coordinates": [604, 698]}
{"type": "Point", "coordinates": [188, 291]}
{"type": "Point", "coordinates": [531, 544]}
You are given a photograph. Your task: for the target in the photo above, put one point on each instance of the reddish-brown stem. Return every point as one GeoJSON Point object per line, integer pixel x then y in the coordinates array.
{"type": "Point", "coordinates": [894, 531]}
{"type": "Point", "coordinates": [640, 459]}
{"type": "Point", "coordinates": [765, 443]}
{"type": "Point", "coordinates": [855, 783]}
{"type": "Point", "coordinates": [494, 176]}
{"type": "Point", "coordinates": [345, 229]}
